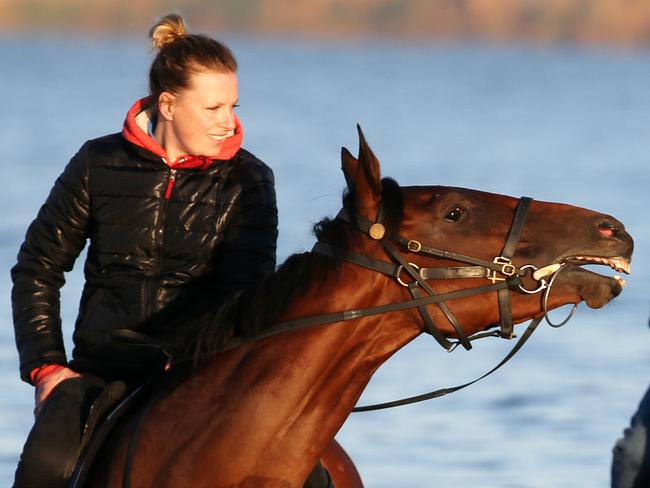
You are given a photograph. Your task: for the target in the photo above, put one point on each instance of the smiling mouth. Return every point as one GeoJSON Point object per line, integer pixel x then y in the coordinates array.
{"type": "Point", "coordinates": [221, 137]}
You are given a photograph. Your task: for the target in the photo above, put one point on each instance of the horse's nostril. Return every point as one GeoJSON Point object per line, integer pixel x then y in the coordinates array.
{"type": "Point", "coordinates": [607, 229]}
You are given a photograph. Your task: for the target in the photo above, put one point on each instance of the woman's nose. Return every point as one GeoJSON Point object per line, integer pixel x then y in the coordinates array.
{"type": "Point", "coordinates": [228, 120]}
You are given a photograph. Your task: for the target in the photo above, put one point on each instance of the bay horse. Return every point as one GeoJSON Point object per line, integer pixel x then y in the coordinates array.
{"type": "Point", "coordinates": [263, 403]}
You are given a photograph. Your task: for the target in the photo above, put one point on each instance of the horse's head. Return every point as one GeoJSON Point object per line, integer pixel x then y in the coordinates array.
{"type": "Point", "coordinates": [554, 241]}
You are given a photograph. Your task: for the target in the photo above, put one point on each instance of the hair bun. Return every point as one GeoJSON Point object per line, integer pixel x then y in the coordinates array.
{"type": "Point", "coordinates": [168, 29]}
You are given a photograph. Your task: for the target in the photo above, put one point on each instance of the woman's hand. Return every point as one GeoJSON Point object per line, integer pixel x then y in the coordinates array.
{"type": "Point", "coordinates": [48, 383]}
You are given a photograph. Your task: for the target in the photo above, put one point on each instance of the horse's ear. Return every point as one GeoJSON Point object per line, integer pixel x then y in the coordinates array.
{"type": "Point", "coordinates": [362, 175]}
{"type": "Point", "coordinates": [349, 165]}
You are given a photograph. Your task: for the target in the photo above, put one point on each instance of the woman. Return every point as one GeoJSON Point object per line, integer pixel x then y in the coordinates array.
{"type": "Point", "coordinates": [171, 206]}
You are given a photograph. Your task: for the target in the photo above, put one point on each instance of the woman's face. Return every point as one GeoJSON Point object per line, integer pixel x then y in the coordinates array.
{"type": "Point", "coordinates": [201, 116]}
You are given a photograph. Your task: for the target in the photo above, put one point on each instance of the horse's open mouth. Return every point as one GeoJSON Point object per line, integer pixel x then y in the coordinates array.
{"type": "Point", "coordinates": [595, 288]}
{"type": "Point", "coordinates": [618, 264]}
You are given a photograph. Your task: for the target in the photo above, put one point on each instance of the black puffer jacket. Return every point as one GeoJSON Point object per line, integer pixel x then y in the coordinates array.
{"type": "Point", "coordinates": [217, 231]}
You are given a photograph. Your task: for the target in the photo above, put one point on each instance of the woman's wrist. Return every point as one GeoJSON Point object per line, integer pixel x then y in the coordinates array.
{"type": "Point", "coordinates": [37, 375]}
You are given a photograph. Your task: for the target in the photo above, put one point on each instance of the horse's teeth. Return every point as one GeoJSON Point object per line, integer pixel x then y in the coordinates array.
{"type": "Point", "coordinates": [620, 265]}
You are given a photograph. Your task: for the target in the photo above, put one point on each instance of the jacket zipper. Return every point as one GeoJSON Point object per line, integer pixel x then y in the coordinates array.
{"type": "Point", "coordinates": [160, 228]}
{"type": "Point", "coordinates": [170, 184]}
{"type": "Point", "coordinates": [158, 245]}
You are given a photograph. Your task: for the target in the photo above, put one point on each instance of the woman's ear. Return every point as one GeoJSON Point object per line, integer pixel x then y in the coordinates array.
{"type": "Point", "coordinates": [166, 105]}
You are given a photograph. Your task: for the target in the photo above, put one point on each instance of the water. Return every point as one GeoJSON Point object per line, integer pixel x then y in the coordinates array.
{"type": "Point", "coordinates": [556, 124]}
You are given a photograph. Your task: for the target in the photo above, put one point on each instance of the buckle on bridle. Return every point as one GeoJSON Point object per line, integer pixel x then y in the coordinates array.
{"type": "Point", "coordinates": [413, 246]}
{"type": "Point", "coordinates": [507, 269]}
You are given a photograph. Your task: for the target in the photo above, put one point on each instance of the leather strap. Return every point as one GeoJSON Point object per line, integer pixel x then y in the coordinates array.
{"type": "Point", "coordinates": [462, 337]}
{"type": "Point", "coordinates": [426, 318]}
{"type": "Point", "coordinates": [516, 228]}
{"type": "Point", "coordinates": [507, 329]}
{"type": "Point", "coordinates": [445, 391]}
{"type": "Point", "coordinates": [353, 314]}
{"type": "Point", "coordinates": [364, 225]}
{"type": "Point", "coordinates": [394, 270]}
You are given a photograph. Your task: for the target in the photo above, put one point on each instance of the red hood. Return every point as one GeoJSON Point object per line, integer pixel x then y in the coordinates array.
{"type": "Point", "coordinates": [138, 135]}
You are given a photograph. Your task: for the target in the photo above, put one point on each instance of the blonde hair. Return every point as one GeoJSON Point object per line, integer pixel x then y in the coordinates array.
{"type": "Point", "coordinates": [168, 29]}
{"type": "Point", "coordinates": [181, 54]}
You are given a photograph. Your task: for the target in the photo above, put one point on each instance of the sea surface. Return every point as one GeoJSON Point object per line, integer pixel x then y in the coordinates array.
{"type": "Point", "coordinates": [558, 124]}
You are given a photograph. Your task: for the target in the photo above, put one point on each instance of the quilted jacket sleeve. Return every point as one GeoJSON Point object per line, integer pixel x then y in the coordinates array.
{"type": "Point", "coordinates": [52, 243]}
{"type": "Point", "coordinates": [247, 253]}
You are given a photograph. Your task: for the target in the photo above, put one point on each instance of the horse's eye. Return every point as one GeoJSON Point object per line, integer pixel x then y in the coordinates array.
{"type": "Point", "coordinates": [455, 214]}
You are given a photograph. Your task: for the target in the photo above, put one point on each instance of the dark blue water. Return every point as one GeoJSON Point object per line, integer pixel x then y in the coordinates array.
{"type": "Point", "coordinates": [564, 125]}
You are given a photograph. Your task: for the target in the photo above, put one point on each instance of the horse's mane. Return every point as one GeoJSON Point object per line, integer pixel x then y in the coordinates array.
{"type": "Point", "coordinates": [199, 331]}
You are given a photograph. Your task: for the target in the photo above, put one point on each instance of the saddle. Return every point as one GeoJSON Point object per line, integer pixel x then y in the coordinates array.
{"type": "Point", "coordinates": [112, 404]}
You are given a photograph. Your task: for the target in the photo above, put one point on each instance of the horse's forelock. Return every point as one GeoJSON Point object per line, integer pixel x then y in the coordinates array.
{"type": "Point", "coordinates": [392, 201]}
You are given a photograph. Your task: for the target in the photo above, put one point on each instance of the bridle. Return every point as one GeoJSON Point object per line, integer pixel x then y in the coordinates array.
{"type": "Point", "coordinates": [500, 271]}
{"type": "Point", "coordinates": [504, 275]}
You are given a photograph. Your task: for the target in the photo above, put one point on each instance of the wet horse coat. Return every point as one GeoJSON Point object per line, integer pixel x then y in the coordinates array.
{"type": "Point", "coordinates": [262, 414]}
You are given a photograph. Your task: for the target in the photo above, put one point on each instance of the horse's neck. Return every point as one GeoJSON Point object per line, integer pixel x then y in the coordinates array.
{"type": "Point", "coordinates": [284, 398]}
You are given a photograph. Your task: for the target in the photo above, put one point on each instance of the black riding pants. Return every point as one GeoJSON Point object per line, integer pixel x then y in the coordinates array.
{"type": "Point", "coordinates": [52, 447]}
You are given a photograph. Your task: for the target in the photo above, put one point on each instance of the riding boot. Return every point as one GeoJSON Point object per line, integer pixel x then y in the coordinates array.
{"type": "Point", "coordinates": [52, 447]}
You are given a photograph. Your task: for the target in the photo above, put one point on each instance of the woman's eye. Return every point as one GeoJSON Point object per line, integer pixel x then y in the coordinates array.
{"type": "Point", "coordinates": [455, 214]}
